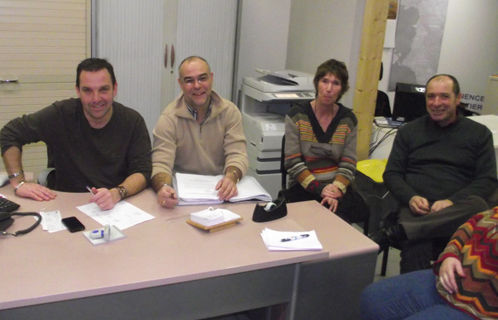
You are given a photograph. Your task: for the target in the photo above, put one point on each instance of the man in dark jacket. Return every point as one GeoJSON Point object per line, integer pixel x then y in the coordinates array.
{"type": "Point", "coordinates": [441, 167]}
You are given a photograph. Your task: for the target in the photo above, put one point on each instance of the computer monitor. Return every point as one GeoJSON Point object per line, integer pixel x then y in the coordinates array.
{"type": "Point", "coordinates": [409, 102]}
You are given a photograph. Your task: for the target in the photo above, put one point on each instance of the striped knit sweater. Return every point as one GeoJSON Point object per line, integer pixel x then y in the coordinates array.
{"type": "Point", "coordinates": [475, 245]}
{"type": "Point", "coordinates": [314, 158]}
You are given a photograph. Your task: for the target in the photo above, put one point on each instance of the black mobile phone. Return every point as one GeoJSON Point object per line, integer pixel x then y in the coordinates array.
{"type": "Point", "coordinates": [73, 224]}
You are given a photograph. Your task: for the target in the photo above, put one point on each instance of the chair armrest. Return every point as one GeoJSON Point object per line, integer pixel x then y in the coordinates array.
{"type": "Point", "coordinates": [42, 177]}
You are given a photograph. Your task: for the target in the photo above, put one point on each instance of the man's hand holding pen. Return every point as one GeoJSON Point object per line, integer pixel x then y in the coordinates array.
{"type": "Point", "coordinates": [167, 197]}
{"type": "Point", "coordinates": [104, 198]}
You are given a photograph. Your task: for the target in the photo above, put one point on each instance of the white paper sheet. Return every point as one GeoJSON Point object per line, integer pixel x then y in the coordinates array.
{"type": "Point", "coordinates": [123, 215]}
{"type": "Point", "coordinates": [51, 221]}
{"type": "Point", "coordinates": [273, 240]}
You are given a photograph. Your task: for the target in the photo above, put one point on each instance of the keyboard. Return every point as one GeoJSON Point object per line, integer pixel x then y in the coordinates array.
{"type": "Point", "coordinates": [7, 205]}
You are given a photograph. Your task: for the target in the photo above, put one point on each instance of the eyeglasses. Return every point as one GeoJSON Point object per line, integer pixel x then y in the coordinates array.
{"type": "Point", "coordinates": [201, 80]}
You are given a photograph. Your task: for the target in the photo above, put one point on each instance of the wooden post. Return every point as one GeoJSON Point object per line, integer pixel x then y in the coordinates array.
{"type": "Point", "coordinates": [367, 77]}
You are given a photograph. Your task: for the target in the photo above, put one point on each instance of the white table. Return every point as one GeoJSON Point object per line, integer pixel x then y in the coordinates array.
{"type": "Point", "coordinates": [167, 269]}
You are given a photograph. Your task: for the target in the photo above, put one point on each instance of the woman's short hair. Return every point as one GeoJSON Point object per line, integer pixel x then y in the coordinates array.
{"type": "Point", "coordinates": [338, 69]}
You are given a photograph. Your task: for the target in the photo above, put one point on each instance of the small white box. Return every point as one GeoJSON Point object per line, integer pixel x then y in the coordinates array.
{"type": "Point", "coordinates": [208, 217]}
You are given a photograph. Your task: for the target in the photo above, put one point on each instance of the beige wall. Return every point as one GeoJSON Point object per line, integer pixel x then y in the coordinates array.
{"type": "Point", "coordinates": [469, 50]}
{"type": "Point", "coordinates": [325, 29]}
{"type": "Point", "coordinates": [262, 39]}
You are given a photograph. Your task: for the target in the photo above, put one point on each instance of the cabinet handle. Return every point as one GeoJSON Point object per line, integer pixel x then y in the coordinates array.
{"type": "Point", "coordinates": [172, 55]}
{"type": "Point", "coordinates": [166, 56]}
{"type": "Point", "coordinates": [8, 80]}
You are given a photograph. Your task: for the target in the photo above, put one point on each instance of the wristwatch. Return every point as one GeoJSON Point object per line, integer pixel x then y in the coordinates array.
{"type": "Point", "coordinates": [15, 174]}
{"type": "Point", "coordinates": [122, 192]}
{"type": "Point", "coordinates": [236, 174]}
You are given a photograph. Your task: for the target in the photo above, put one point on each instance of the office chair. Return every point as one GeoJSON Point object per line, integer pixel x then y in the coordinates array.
{"type": "Point", "coordinates": [45, 176]}
{"type": "Point", "coordinates": [382, 105]}
{"type": "Point", "coordinates": [284, 187]}
{"type": "Point", "coordinates": [438, 244]}
{"type": "Point", "coordinates": [366, 222]}
{"type": "Point", "coordinates": [391, 218]}
{"type": "Point", "coordinates": [282, 165]}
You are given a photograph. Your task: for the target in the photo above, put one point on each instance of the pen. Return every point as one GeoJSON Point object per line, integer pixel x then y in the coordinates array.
{"type": "Point", "coordinates": [172, 195]}
{"type": "Point", "coordinates": [302, 236]}
{"type": "Point", "coordinates": [89, 189]}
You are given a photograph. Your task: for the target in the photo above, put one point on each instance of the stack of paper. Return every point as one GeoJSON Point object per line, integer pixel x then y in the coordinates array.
{"type": "Point", "coordinates": [198, 189]}
{"type": "Point", "coordinates": [285, 241]}
{"type": "Point", "coordinates": [211, 217]}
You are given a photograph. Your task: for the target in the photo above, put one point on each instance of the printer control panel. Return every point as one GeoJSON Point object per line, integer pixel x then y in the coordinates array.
{"type": "Point", "coordinates": [294, 95]}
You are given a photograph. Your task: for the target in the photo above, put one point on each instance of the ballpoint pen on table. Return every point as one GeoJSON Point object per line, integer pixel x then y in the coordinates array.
{"type": "Point", "coordinates": [302, 236]}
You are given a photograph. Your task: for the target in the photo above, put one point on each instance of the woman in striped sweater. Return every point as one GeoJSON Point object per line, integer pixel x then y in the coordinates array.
{"type": "Point", "coordinates": [320, 146]}
{"type": "Point", "coordinates": [463, 284]}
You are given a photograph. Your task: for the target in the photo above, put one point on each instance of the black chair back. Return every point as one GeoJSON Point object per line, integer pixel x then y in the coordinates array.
{"type": "Point", "coordinates": [282, 165]}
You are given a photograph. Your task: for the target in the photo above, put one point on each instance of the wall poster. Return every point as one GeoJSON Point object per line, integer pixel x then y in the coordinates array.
{"type": "Point", "coordinates": [419, 33]}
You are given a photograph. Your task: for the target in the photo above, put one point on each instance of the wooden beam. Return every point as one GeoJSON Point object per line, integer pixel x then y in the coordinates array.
{"type": "Point", "coordinates": [367, 77]}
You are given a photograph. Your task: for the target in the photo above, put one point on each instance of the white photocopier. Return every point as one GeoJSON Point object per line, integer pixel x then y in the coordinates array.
{"type": "Point", "coordinates": [264, 103]}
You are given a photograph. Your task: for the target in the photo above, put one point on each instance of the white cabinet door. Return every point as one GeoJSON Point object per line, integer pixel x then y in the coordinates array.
{"type": "Point", "coordinates": [41, 43]}
{"type": "Point", "coordinates": [146, 40]}
{"type": "Point", "coordinates": [169, 75]}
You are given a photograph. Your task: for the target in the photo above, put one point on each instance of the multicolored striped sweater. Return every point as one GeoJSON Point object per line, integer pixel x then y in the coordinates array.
{"type": "Point", "coordinates": [314, 158]}
{"type": "Point", "coordinates": [475, 244]}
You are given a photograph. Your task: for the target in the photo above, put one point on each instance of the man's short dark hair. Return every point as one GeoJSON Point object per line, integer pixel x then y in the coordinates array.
{"type": "Point", "coordinates": [456, 85]}
{"type": "Point", "coordinates": [92, 65]}
{"type": "Point", "coordinates": [338, 69]}
{"type": "Point", "coordinates": [188, 59]}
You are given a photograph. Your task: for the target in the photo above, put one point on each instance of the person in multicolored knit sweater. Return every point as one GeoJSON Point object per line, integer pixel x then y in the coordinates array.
{"type": "Point", "coordinates": [320, 146]}
{"type": "Point", "coordinates": [463, 284]}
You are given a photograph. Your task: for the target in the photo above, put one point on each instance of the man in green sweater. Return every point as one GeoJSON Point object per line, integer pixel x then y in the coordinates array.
{"type": "Point", "coordinates": [441, 167]}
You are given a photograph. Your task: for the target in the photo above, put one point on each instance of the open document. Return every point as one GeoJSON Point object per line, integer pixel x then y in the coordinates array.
{"type": "Point", "coordinates": [199, 189]}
